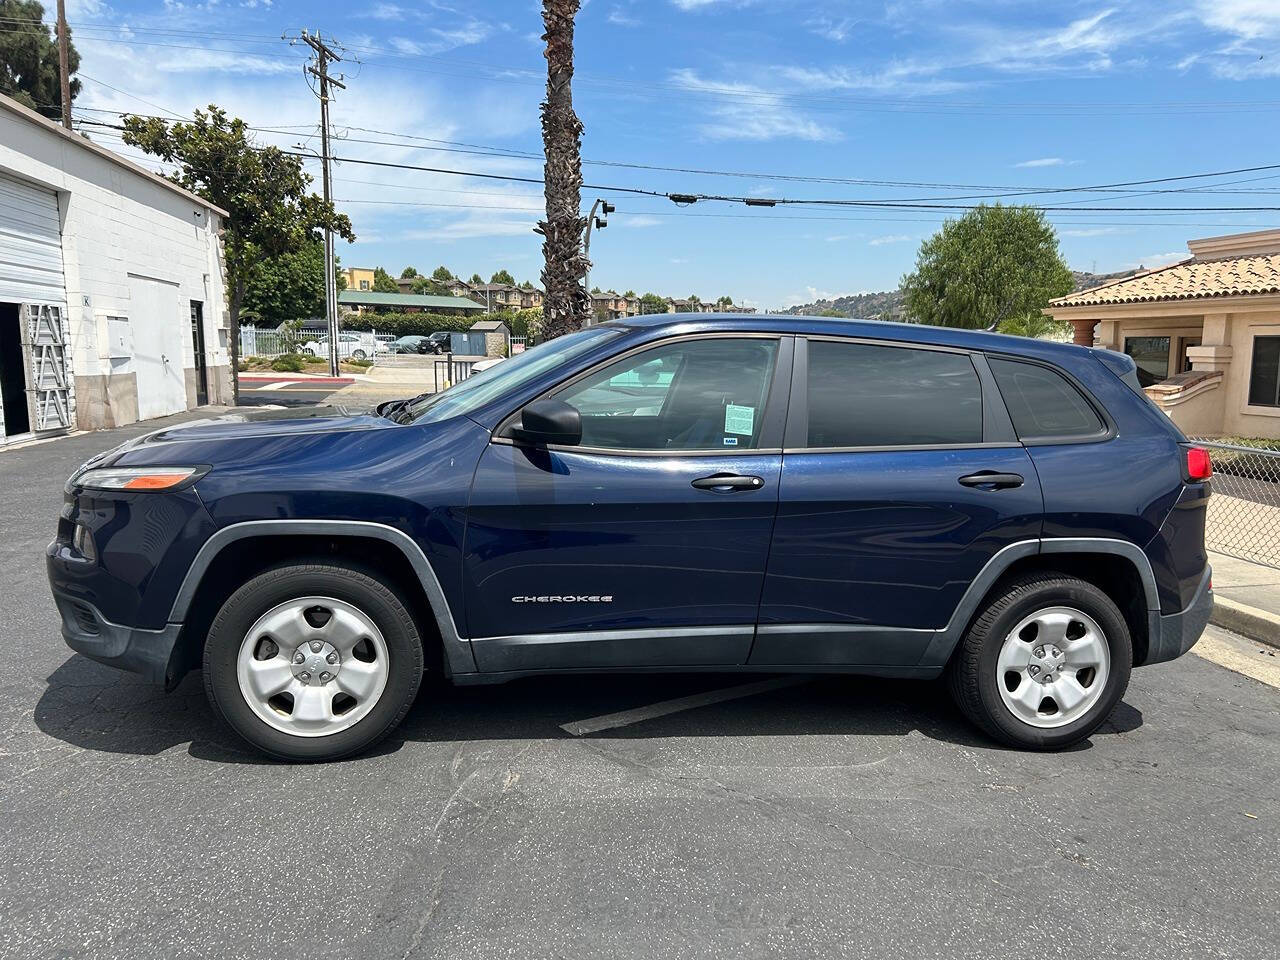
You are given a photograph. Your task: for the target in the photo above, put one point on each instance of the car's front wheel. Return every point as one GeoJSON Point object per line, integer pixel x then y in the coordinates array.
{"type": "Point", "coordinates": [358, 355]}
{"type": "Point", "coordinates": [313, 661]}
{"type": "Point", "coordinates": [1044, 664]}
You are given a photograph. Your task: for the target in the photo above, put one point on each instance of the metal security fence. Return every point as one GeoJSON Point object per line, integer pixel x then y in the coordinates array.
{"type": "Point", "coordinates": [449, 371]}
{"type": "Point", "coordinates": [352, 344]}
{"type": "Point", "coordinates": [1244, 511]}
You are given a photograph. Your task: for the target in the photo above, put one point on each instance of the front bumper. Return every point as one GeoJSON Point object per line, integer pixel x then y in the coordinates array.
{"type": "Point", "coordinates": [1173, 635]}
{"type": "Point", "coordinates": [146, 652]}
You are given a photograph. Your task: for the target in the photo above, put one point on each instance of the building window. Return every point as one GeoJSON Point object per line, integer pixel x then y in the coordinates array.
{"type": "Point", "coordinates": [1151, 354]}
{"type": "Point", "coordinates": [1264, 373]}
{"type": "Point", "coordinates": [364, 284]}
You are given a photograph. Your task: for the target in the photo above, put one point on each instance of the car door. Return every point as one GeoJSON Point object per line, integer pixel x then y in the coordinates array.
{"type": "Point", "coordinates": [644, 545]}
{"type": "Point", "coordinates": [901, 479]}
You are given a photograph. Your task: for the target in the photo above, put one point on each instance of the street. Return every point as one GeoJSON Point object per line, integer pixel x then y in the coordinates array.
{"type": "Point", "coordinates": [281, 390]}
{"type": "Point", "coordinates": [592, 817]}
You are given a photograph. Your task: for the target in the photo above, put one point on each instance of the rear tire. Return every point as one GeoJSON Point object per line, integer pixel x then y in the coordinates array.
{"type": "Point", "coordinates": [259, 673]}
{"type": "Point", "coordinates": [1044, 664]}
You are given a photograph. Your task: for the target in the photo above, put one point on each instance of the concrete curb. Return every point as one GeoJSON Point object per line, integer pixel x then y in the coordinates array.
{"type": "Point", "coordinates": [1260, 625]}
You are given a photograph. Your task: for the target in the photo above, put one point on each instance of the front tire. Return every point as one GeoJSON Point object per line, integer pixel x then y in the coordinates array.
{"type": "Point", "coordinates": [313, 661]}
{"type": "Point", "coordinates": [1044, 664]}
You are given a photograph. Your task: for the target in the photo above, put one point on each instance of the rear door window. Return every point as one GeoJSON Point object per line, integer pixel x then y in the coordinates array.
{"type": "Point", "coordinates": [1043, 404]}
{"type": "Point", "coordinates": [866, 395]}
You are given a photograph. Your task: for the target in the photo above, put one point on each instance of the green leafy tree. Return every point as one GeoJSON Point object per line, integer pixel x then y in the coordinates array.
{"type": "Point", "coordinates": [502, 276]}
{"type": "Point", "coordinates": [29, 59]}
{"type": "Point", "coordinates": [441, 274]}
{"type": "Point", "coordinates": [829, 312]}
{"type": "Point", "coordinates": [1035, 325]}
{"type": "Point", "coordinates": [993, 265]}
{"type": "Point", "coordinates": [382, 282]}
{"type": "Point", "coordinates": [629, 294]}
{"type": "Point", "coordinates": [430, 287]}
{"type": "Point", "coordinates": [408, 272]}
{"type": "Point", "coordinates": [288, 286]}
{"type": "Point", "coordinates": [475, 278]}
{"type": "Point", "coordinates": [270, 207]}
{"type": "Point", "coordinates": [652, 303]}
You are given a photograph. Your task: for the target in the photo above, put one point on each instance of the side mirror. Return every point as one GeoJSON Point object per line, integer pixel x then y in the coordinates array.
{"type": "Point", "coordinates": [549, 421]}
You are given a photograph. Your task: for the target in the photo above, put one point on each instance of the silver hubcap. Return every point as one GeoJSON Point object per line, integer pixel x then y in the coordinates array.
{"type": "Point", "coordinates": [1053, 667]}
{"type": "Point", "coordinates": [312, 666]}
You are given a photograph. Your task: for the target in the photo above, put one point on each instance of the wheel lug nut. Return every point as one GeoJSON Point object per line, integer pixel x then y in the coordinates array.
{"type": "Point", "coordinates": [304, 676]}
{"type": "Point", "coordinates": [1039, 651]}
{"type": "Point", "coordinates": [332, 658]}
{"type": "Point", "coordinates": [298, 658]}
{"type": "Point", "coordinates": [326, 677]}
{"type": "Point", "coordinates": [315, 646]}
{"type": "Point", "coordinates": [1033, 670]}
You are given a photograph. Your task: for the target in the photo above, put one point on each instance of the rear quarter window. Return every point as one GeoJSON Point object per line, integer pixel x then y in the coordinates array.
{"type": "Point", "coordinates": [1043, 404]}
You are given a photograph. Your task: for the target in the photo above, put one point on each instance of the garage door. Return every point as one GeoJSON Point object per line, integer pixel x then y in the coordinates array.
{"type": "Point", "coordinates": [30, 244]}
{"type": "Point", "coordinates": [37, 385]}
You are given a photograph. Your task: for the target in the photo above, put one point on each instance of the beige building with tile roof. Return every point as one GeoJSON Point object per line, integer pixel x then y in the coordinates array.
{"type": "Point", "coordinates": [1205, 333]}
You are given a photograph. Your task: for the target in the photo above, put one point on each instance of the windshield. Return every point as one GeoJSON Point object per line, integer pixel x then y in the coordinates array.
{"type": "Point", "coordinates": [480, 388]}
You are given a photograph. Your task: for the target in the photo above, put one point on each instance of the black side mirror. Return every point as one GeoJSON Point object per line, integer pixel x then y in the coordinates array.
{"type": "Point", "coordinates": [549, 421]}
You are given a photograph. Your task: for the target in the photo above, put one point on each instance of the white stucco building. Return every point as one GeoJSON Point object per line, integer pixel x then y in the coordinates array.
{"type": "Point", "coordinates": [112, 305]}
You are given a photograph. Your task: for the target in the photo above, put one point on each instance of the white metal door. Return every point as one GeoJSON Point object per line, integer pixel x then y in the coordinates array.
{"type": "Point", "coordinates": [30, 244]}
{"type": "Point", "coordinates": [158, 322]}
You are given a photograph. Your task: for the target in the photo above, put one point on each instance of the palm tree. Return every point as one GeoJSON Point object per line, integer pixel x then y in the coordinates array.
{"type": "Point", "coordinates": [566, 305]}
{"type": "Point", "coordinates": [1037, 326]}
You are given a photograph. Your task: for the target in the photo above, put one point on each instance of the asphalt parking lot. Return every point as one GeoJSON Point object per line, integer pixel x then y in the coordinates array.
{"type": "Point", "coordinates": [840, 817]}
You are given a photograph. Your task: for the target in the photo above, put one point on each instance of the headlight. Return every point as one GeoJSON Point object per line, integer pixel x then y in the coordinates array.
{"type": "Point", "coordinates": [138, 478]}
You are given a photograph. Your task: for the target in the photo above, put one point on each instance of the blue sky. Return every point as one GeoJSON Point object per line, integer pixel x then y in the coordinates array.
{"type": "Point", "coordinates": [998, 95]}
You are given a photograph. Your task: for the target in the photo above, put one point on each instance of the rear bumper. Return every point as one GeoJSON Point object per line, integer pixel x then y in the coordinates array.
{"type": "Point", "coordinates": [1173, 635]}
{"type": "Point", "coordinates": [145, 652]}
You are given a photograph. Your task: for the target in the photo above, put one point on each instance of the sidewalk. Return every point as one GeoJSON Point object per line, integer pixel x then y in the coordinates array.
{"type": "Point", "coordinates": [387, 383]}
{"type": "Point", "coordinates": [1246, 598]}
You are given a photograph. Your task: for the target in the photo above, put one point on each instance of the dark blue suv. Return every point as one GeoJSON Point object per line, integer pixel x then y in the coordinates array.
{"type": "Point", "coordinates": [763, 494]}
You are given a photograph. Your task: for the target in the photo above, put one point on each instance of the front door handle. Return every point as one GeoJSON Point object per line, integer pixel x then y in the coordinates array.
{"type": "Point", "coordinates": [989, 478]}
{"type": "Point", "coordinates": [728, 482]}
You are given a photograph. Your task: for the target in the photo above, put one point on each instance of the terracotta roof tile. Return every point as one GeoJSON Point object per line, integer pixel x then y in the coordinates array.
{"type": "Point", "coordinates": [1188, 280]}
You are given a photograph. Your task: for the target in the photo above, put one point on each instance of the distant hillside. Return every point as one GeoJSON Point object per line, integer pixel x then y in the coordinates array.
{"type": "Point", "coordinates": [887, 305]}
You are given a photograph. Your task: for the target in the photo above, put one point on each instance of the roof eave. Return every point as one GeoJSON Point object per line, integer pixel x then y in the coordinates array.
{"type": "Point", "coordinates": [8, 103]}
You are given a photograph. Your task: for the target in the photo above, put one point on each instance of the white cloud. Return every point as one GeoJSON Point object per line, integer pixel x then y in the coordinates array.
{"type": "Point", "coordinates": [1091, 231]}
{"type": "Point", "coordinates": [747, 112]}
{"type": "Point", "coordinates": [1042, 162]}
{"type": "Point", "coordinates": [904, 77]}
{"type": "Point", "coordinates": [1247, 19]}
{"type": "Point", "coordinates": [889, 238]}
{"type": "Point", "coordinates": [640, 220]}
{"type": "Point", "coordinates": [1158, 259]}
{"type": "Point", "coordinates": [215, 61]}
{"type": "Point", "coordinates": [837, 237]}
{"type": "Point", "coordinates": [620, 18]}
{"type": "Point", "coordinates": [831, 29]}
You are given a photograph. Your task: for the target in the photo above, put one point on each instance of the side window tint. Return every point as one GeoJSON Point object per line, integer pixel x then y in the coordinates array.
{"type": "Point", "coordinates": [1043, 403]}
{"type": "Point", "coordinates": [689, 395]}
{"type": "Point", "coordinates": [863, 395]}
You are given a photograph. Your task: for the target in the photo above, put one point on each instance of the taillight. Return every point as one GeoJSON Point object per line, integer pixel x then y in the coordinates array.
{"type": "Point", "coordinates": [1199, 466]}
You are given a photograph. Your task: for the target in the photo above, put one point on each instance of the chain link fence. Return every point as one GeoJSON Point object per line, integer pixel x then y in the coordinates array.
{"type": "Point", "coordinates": [1244, 511]}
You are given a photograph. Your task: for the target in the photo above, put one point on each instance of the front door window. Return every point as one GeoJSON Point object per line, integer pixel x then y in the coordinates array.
{"type": "Point", "coordinates": [1151, 354]}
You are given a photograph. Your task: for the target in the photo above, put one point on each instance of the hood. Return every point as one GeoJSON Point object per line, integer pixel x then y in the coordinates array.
{"type": "Point", "coordinates": [251, 425]}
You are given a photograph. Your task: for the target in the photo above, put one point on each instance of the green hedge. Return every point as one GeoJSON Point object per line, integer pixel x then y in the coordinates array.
{"type": "Point", "coordinates": [404, 324]}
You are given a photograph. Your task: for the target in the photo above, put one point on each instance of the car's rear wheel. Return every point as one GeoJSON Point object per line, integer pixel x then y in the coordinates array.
{"type": "Point", "coordinates": [358, 355]}
{"type": "Point", "coordinates": [313, 661]}
{"type": "Point", "coordinates": [308, 351]}
{"type": "Point", "coordinates": [1044, 664]}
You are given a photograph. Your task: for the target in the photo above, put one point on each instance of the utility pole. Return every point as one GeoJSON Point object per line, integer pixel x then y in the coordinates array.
{"type": "Point", "coordinates": [64, 67]}
{"type": "Point", "coordinates": [318, 68]}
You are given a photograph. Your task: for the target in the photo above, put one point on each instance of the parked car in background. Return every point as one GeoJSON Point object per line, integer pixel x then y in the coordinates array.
{"type": "Point", "coordinates": [351, 346]}
{"type": "Point", "coordinates": [439, 341]}
{"type": "Point", "coordinates": [729, 493]}
{"type": "Point", "coordinates": [411, 343]}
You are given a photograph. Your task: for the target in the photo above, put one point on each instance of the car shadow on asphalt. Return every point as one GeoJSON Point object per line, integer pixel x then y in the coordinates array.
{"type": "Point", "coordinates": [98, 708]}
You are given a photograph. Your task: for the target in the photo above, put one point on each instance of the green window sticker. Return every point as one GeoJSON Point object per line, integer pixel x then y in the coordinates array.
{"type": "Point", "coordinates": [739, 420]}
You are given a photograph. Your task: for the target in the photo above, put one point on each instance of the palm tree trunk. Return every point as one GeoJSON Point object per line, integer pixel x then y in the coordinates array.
{"type": "Point", "coordinates": [567, 305]}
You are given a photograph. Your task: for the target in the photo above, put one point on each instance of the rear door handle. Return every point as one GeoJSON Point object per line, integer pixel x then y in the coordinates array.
{"type": "Point", "coordinates": [989, 478]}
{"type": "Point", "coordinates": [728, 482]}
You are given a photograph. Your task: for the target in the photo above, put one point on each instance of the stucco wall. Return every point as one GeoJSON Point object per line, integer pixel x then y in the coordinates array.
{"type": "Point", "coordinates": [116, 222]}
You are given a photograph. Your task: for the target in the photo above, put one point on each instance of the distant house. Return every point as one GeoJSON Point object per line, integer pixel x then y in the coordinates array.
{"type": "Point", "coordinates": [610, 305]}
{"type": "Point", "coordinates": [497, 336]}
{"type": "Point", "coordinates": [370, 301]}
{"type": "Point", "coordinates": [358, 278]}
{"type": "Point", "coordinates": [496, 296]}
{"type": "Point", "coordinates": [1204, 332]}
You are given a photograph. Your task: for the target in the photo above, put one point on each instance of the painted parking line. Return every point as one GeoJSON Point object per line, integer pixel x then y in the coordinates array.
{"type": "Point", "coordinates": [664, 708]}
{"type": "Point", "coordinates": [279, 384]}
